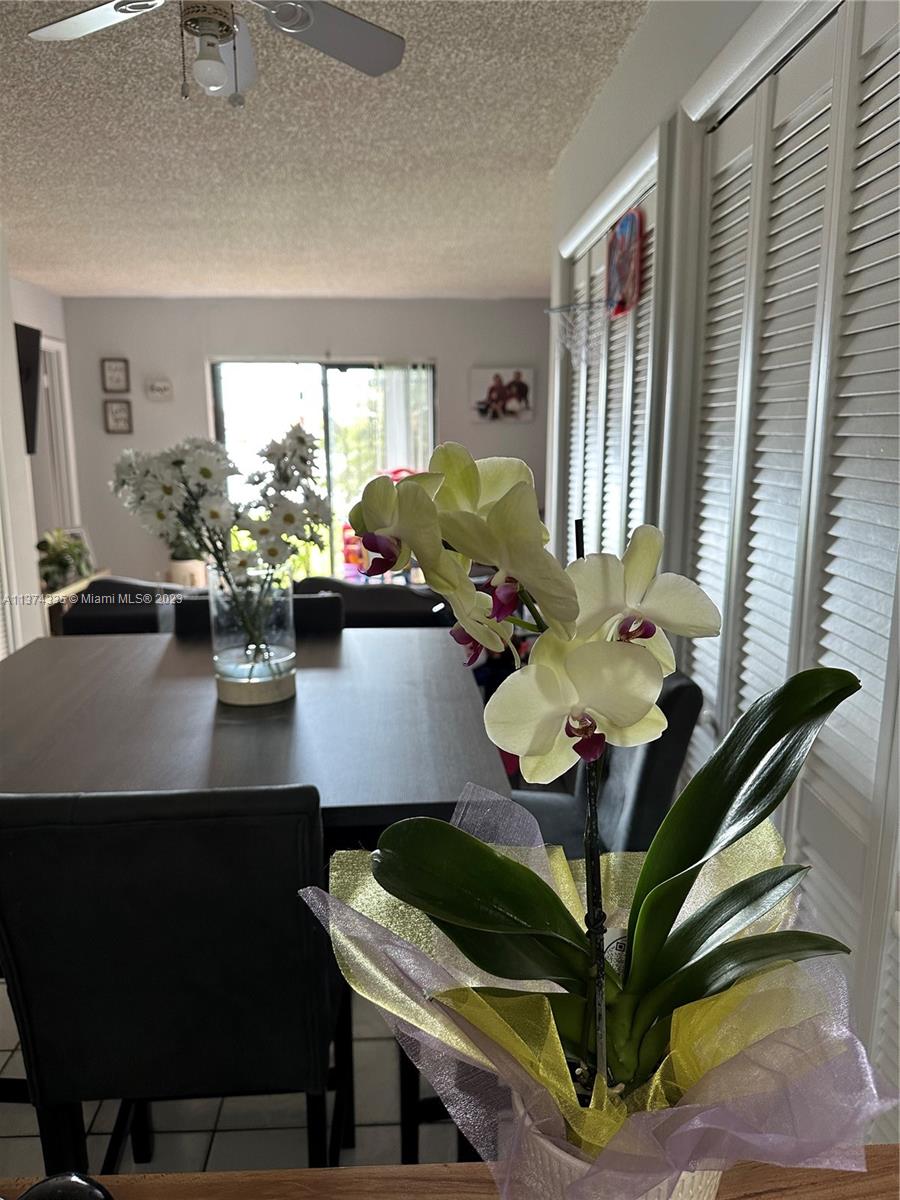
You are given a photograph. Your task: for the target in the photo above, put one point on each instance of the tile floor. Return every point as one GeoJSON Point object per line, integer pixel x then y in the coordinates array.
{"type": "Point", "coordinates": [236, 1133]}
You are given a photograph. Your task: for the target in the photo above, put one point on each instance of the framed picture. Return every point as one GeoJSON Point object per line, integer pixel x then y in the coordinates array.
{"type": "Point", "coordinates": [623, 263]}
{"type": "Point", "coordinates": [117, 416]}
{"type": "Point", "coordinates": [502, 393]}
{"type": "Point", "coordinates": [114, 374]}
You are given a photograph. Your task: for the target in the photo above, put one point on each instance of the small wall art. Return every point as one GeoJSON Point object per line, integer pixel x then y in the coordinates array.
{"type": "Point", "coordinates": [114, 375]}
{"type": "Point", "coordinates": [117, 416]}
{"type": "Point", "coordinates": [623, 263]}
{"type": "Point", "coordinates": [502, 393]}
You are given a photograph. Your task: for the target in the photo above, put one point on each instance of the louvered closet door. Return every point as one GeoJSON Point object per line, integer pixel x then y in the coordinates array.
{"type": "Point", "coordinates": [842, 814]}
{"type": "Point", "coordinates": [595, 382]}
{"type": "Point", "coordinates": [576, 419]}
{"type": "Point", "coordinates": [730, 175]}
{"type": "Point", "coordinates": [610, 404]}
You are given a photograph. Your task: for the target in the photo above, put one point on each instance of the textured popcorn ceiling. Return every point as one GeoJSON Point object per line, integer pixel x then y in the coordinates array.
{"type": "Point", "coordinates": [430, 181]}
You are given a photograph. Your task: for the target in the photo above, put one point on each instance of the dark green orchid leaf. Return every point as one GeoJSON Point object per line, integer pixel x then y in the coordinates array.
{"type": "Point", "coordinates": [723, 917]}
{"type": "Point", "coordinates": [726, 965]}
{"type": "Point", "coordinates": [500, 914]}
{"type": "Point", "coordinates": [741, 784]}
{"type": "Point", "coordinates": [523, 956]}
{"type": "Point", "coordinates": [653, 1048]}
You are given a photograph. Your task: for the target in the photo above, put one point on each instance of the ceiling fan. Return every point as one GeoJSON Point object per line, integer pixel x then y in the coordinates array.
{"type": "Point", "coordinates": [333, 31]}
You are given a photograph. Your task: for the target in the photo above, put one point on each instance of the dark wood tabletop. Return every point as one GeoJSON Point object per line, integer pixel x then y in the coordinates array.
{"type": "Point", "coordinates": [386, 723]}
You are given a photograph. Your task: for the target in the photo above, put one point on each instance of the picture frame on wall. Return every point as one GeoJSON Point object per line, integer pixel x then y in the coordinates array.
{"type": "Point", "coordinates": [501, 394]}
{"type": "Point", "coordinates": [114, 375]}
{"type": "Point", "coordinates": [117, 416]}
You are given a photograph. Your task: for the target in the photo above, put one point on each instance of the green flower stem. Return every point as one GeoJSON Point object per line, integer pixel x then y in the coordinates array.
{"type": "Point", "coordinates": [520, 624]}
{"type": "Point", "coordinates": [528, 600]}
{"type": "Point", "coordinates": [595, 920]}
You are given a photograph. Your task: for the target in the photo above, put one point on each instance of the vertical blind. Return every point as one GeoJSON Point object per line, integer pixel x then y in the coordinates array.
{"type": "Point", "coordinates": [609, 404]}
{"type": "Point", "coordinates": [794, 513]}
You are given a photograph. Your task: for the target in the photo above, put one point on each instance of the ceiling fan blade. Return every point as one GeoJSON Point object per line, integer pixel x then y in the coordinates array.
{"type": "Point", "coordinates": [340, 34]}
{"type": "Point", "coordinates": [93, 19]}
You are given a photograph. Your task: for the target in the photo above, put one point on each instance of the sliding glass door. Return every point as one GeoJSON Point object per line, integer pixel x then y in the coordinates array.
{"type": "Point", "coordinates": [368, 418]}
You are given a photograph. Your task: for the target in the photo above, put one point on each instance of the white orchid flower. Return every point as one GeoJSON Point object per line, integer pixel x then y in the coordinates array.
{"type": "Point", "coordinates": [474, 486]}
{"type": "Point", "coordinates": [570, 700]}
{"type": "Point", "coordinates": [475, 629]}
{"type": "Point", "coordinates": [511, 539]}
{"type": "Point", "coordinates": [397, 521]}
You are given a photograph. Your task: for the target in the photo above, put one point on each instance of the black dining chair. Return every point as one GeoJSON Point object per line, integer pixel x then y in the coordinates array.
{"type": "Point", "coordinates": [381, 605]}
{"type": "Point", "coordinates": [155, 948]}
{"type": "Point", "coordinates": [113, 604]}
{"type": "Point", "coordinates": [322, 614]}
{"type": "Point", "coordinates": [638, 786]}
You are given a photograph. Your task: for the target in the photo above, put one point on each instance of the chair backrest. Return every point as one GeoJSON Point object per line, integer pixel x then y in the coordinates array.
{"type": "Point", "coordinates": [155, 945]}
{"type": "Point", "coordinates": [114, 604]}
{"type": "Point", "coordinates": [382, 605]}
{"type": "Point", "coordinates": [640, 781]}
{"type": "Point", "coordinates": [312, 615]}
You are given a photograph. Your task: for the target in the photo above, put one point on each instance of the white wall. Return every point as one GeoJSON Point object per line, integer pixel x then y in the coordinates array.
{"type": "Point", "coordinates": [35, 306]}
{"type": "Point", "coordinates": [672, 46]}
{"type": "Point", "coordinates": [177, 338]}
{"type": "Point", "coordinates": [18, 571]}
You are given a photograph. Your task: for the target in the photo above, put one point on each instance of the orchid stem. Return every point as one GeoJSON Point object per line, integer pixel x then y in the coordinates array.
{"type": "Point", "coordinates": [595, 917]}
{"type": "Point", "coordinates": [520, 624]}
{"type": "Point", "coordinates": [528, 601]}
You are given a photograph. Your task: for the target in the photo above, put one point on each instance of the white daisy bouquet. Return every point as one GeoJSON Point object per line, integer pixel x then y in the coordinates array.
{"type": "Point", "coordinates": [181, 494]}
{"type": "Point", "coordinates": [485, 949]}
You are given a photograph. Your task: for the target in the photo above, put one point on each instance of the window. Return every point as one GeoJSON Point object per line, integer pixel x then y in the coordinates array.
{"type": "Point", "coordinates": [367, 419]}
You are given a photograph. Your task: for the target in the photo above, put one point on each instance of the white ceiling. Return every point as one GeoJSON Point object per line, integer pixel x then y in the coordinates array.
{"type": "Point", "coordinates": [430, 181]}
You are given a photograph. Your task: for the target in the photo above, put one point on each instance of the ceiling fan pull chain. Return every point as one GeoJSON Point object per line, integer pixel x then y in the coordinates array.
{"type": "Point", "coordinates": [185, 90]}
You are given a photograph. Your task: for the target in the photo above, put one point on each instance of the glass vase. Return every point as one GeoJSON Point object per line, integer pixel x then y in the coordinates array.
{"type": "Point", "coordinates": [252, 624]}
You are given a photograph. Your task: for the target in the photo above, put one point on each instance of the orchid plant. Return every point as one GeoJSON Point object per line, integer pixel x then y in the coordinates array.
{"type": "Point", "coordinates": [592, 680]}
{"type": "Point", "coordinates": [181, 494]}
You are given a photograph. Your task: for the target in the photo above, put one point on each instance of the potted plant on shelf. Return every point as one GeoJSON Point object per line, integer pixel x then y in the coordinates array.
{"type": "Point", "coordinates": [585, 1075]}
{"type": "Point", "coordinates": [181, 494]}
{"type": "Point", "coordinates": [64, 558]}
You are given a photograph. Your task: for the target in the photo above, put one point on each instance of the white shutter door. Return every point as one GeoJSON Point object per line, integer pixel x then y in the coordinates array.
{"type": "Point", "coordinates": [595, 378]}
{"type": "Point", "coordinates": [779, 377]}
{"type": "Point", "coordinates": [576, 421]}
{"type": "Point", "coordinates": [636, 473]}
{"type": "Point", "coordinates": [840, 813]}
{"type": "Point", "coordinates": [730, 174]}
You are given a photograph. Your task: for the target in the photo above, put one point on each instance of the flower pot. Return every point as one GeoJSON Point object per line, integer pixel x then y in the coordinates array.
{"type": "Point", "coordinates": [186, 572]}
{"type": "Point", "coordinates": [543, 1170]}
{"type": "Point", "coordinates": [252, 626]}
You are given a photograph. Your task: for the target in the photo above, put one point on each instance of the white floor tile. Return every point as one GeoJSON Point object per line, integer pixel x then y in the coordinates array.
{"type": "Point", "coordinates": [376, 1145]}
{"type": "Point", "coordinates": [177, 1153]}
{"type": "Point", "coordinates": [437, 1143]}
{"type": "Point", "coordinates": [9, 1035]}
{"type": "Point", "coordinates": [14, 1067]}
{"type": "Point", "coordinates": [258, 1150]}
{"type": "Point", "coordinates": [169, 1116]}
{"type": "Point", "coordinates": [367, 1020]}
{"type": "Point", "coordinates": [21, 1156]}
{"type": "Point", "coordinates": [18, 1120]}
{"type": "Point", "coordinates": [376, 1076]}
{"type": "Point", "coordinates": [263, 1112]}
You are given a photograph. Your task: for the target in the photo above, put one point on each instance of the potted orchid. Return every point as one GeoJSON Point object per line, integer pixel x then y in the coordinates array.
{"type": "Point", "coordinates": [638, 1077]}
{"type": "Point", "coordinates": [182, 495]}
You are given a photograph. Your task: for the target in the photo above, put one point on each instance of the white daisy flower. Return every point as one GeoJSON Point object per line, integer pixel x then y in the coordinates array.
{"type": "Point", "coordinates": [217, 511]}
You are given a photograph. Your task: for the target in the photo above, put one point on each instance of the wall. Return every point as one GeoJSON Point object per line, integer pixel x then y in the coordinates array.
{"type": "Point", "coordinates": [35, 306]}
{"type": "Point", "coordinates": [18, 570]}
{"type": "Point", "coordinates": [672, 46]}
{"type": "Point", "coordinates": [177, 338]}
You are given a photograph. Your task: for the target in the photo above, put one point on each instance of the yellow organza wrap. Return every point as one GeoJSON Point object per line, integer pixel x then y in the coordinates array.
{"type": "Point", "coordinates": [704, 1034]}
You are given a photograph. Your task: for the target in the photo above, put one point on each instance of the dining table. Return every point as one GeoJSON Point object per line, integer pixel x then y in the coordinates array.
{"type": "Point", "coordinates": [473, 1181]}
{"type": "Point", "coordinates": [386, 724]}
